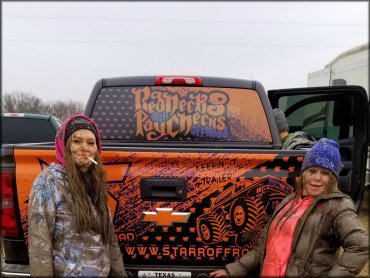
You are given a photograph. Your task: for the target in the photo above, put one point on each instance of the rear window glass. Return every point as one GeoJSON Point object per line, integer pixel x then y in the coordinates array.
{"type": "Point", "coordinates": [26, 130]}
{"type": "Point", "coordinates": [161, 113]}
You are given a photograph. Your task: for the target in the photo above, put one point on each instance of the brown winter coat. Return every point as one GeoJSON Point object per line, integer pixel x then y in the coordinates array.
{"type": "Point", "coordinates": [329, 222]}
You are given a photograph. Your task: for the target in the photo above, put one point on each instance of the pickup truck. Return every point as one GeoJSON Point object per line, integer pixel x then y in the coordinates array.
{"type": "Point", "coordinates": [194, 166]}
{"type": "Point", "coordinates": [19, 128]}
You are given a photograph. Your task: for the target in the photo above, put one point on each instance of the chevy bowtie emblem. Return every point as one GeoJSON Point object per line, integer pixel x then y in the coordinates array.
{"type": "Point", "coordinates": [165, 216]}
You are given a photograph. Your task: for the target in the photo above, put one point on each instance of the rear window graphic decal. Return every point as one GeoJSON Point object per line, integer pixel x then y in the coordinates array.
{"type": "Point", "coordinates": [181, 114]}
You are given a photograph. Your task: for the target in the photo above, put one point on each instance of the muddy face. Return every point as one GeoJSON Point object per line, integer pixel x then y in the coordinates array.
{"type": "Point", "coordinates": [315, 181]}
{"type": "Point", "coordinates": [83, 143]}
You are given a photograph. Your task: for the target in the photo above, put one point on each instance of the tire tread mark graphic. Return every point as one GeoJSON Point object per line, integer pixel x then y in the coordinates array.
{"type": "Point", "coordinates": [215, 228]}
{"type": "Point", "coordinates": [219, 225]}
{"type": "Point", "coordinates": [255, 208]}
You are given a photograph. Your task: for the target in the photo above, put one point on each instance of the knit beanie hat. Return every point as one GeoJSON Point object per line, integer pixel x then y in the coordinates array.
{"type": "Point", "coordinates": [323, 153]}
{"type": "Point", "coordinates": [280, 120]}
{"type": "Point", "coordinates": [79, 123]}
{"type": "Point", "coordinates": [69, 126]}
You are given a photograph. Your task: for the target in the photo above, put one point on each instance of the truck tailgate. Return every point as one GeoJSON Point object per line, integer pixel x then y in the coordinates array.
{"type": "Point", "coordinates": [194, 209]}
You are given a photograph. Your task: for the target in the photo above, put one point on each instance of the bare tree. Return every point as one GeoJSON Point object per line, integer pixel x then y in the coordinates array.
{"type": "Point", "coordinates": [65, 109]}
{"type": "Point", "coordinates": [22, 102]}
{"type": "Point", "coordinates": [8, 104]}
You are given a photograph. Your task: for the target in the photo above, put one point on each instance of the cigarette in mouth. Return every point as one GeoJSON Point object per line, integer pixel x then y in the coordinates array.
{"type": "Point", "coordinates": [92, 159]}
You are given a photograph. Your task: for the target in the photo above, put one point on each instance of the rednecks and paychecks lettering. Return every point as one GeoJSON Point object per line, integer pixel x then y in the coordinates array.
{"type": "Point", "coordinates": [161, 113]}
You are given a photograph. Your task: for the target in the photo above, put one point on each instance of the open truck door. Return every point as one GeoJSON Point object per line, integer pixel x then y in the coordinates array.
{"type": "Point", "coordinates": [340, 113]}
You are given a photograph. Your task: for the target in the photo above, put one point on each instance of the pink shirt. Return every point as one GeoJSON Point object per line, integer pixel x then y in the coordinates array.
{"type": "Point", "coordinates": [280, 237]}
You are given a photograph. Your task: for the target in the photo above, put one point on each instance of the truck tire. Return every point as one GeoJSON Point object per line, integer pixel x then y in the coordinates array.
{"type": "Point", "coordinates": [247, 219]}
{"type": "Point", "coordinates": [211, 228]}
{"type": "Point", "coordinates": [246, 214]}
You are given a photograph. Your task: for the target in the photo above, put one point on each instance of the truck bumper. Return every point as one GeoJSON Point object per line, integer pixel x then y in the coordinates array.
{"type": "Point", "coordinates": [14, 270]}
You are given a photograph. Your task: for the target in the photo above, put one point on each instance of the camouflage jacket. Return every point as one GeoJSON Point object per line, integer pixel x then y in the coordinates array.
{"type": "Point", "coordinates": [328, 223]}
{"type": "Point", "coordinates": [55, 246]}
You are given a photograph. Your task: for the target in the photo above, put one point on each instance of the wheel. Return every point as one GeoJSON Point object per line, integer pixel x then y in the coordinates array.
{"type": "Point", "coordinates": [245, 214]}
{"type": "Point", "coordinates": [211, 228]}
{"type": "Point", "coordinates": [247, 219]}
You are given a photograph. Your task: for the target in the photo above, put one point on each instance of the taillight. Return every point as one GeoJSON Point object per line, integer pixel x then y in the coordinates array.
{"type": "Point", "coordinates": [178, 80]}
{"type": "Point", "coordinates": [8, 221]}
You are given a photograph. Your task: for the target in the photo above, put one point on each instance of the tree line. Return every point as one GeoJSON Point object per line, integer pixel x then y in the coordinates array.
{"type": "Point", "coordinates": [21, 102]}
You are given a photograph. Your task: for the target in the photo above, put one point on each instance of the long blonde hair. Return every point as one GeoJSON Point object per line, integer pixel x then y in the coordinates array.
{"type": "Point", "coordinates": [91, 184]}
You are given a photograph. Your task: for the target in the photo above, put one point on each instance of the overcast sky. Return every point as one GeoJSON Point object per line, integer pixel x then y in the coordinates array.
{"type": "Point", "coordinates": [58, 50]}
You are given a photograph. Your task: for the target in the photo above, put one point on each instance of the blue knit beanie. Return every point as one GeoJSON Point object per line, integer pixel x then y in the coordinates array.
{"type": "Point", "coordinates": [323, 153]}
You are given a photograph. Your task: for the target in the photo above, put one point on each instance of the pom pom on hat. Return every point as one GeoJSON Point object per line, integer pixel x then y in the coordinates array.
{"type": "Point", "coordinates": [324, 153]}
{"type": "Point", "coordinates": [280, 119]}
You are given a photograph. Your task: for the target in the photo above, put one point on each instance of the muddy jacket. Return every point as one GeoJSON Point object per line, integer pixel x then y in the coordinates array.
{"type": "Point", "coordinates": [55, 246]}
{"type": "Point", "coordinates": [328, 223]}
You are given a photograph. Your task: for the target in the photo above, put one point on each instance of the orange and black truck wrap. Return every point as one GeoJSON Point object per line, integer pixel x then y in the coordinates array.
{"type": "Point", "coordinates": [194, 166]}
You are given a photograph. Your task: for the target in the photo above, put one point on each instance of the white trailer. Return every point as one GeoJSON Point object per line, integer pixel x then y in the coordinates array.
{"type": "Point", "coordinates": [350, 67]}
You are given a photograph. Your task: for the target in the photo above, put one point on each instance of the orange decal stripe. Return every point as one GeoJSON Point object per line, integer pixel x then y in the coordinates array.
{"type": "Point", "coordinates": [116, 172]}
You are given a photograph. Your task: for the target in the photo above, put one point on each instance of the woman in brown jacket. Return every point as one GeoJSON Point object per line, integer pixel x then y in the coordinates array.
{"type": "Point", "coordinates": [307, 229]}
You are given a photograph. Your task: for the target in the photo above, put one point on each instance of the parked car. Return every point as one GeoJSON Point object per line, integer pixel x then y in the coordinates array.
{"type": "Point", "coordinates": [28, 128]}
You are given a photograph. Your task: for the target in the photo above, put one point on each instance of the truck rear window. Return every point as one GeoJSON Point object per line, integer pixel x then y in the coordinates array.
{"type": "Point", "coordinates": [26, 130]}
{"type": "Point", "coordinates": [173, 113]}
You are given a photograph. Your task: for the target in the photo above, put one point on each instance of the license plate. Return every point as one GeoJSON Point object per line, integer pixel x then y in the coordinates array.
{"type": "Point", "coordinates": [163, 274]}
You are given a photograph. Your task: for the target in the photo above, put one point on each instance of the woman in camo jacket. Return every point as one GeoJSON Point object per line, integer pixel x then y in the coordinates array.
{"type": "Point", "coordinates": [70, 227]}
